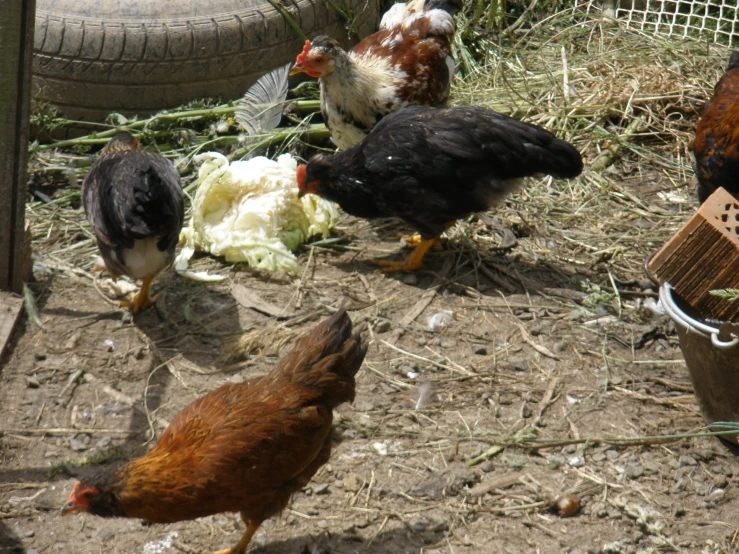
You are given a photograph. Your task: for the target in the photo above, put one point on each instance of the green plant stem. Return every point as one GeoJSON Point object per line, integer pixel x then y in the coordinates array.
{"type": "Point", "coordinates": [315, 131]}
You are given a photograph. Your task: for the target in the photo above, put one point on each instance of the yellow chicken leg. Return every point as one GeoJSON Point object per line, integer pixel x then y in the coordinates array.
{"type": "Point", "coordinates": [413, 262]}
{"type": "Point", "coordinates": [139, 301]}
{"type": "Point", "coordinates": [240, 548]}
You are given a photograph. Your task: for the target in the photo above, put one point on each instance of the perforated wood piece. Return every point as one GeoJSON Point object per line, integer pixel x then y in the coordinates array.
{"type": "Point", "coordinates": [704, 256]}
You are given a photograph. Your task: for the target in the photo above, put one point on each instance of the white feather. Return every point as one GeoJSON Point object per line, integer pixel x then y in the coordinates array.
{"type": "Point", "coordinates": [260, 110]}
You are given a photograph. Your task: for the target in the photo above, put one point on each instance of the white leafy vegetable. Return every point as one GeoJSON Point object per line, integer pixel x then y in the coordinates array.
{"type": "Point", "coordinates": [249, 211]}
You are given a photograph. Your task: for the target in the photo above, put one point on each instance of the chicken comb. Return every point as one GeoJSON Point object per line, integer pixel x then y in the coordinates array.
{"type": "Point", "coordinates": [300, 174]}
{"type": "Point", "coordinates": [301, 57]}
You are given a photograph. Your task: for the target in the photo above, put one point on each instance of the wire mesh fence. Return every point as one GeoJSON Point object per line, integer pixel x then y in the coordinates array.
{"type": "Point", "coordinates": [713, 20]}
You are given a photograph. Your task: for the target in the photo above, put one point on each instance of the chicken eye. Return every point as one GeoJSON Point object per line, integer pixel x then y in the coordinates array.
{"type": "Point", "coordinates": [319, 59]}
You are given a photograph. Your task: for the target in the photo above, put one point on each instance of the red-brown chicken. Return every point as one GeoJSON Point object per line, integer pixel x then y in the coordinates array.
{"type": "Point", "coordinates": [716, 145]}
{"type": "Point", "coordinates": [407, 63]}
{"type": "Point", "coordinates": [432, 166]}
{"type": "Point", "coordinates": [242, 448]}
{"type": "Point", "coordinates": [133, 201]}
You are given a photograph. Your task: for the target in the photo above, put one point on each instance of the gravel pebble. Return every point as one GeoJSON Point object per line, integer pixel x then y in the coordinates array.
{"type": "Point", "coordinates": [555, 461]}
{"type": "Point", "coordinates": [687, 460]}
{"type": "Point", "coordinates": [382, 326]}
{"type": "Point", "coordinates": [321, 488]}
{"type": "Point", "coordinates": [634, 471]}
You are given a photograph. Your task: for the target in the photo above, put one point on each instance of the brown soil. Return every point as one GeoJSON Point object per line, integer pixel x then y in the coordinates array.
{"type": "Point", "coordinates": [528, 351]}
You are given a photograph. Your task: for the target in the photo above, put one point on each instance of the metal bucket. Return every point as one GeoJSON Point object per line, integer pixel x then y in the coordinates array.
{"type": "Point", "coordinates": [712, 356]}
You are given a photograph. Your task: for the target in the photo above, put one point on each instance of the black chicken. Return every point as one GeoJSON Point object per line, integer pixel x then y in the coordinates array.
{"type": "Point", "coordinates": [431, 167]}
{"type": "Point", "coordinates": [133, 201]}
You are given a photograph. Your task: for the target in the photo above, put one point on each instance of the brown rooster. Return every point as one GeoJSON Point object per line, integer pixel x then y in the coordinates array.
{"type": "Point", "coordinates": [133, 201]}
{"type": "Point", "coordinates": [407, 63]}
{"type": "Point", "coordinates": [242, 448]}
{"type": "Point", "coordinates": [716, 145]}
{"type": "Point", "coordinates": [431, 167]}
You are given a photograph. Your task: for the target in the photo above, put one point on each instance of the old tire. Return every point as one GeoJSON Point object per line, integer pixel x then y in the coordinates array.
{"type": "Point", "coordinates": [94, 57]}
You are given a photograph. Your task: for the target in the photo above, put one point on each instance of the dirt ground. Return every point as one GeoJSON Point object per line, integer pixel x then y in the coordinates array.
{"type": "Point", "coordinates": [483, 347]}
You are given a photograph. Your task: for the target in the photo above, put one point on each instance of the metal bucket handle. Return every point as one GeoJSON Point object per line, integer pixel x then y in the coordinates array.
{"type": "Point", "coordinates": [690, 324]}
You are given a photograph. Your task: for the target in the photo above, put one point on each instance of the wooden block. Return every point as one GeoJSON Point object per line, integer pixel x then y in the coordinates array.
{"type": "Point", "coordinates": [11, 307]}
{"type": "Point", "coordinates": [704, 256]}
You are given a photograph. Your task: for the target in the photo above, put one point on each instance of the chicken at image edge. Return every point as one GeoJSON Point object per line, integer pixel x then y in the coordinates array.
{"type": "Point", "coordinates": [133, 201]}
{"type": "Point", "coordinates": [716, 145]}
{"type": "Point", "coordinates": [243, 447]}
{"type": "Point", "coordinates": [431, 167]}
{"type": "Point", "coordinates": [408, 62]}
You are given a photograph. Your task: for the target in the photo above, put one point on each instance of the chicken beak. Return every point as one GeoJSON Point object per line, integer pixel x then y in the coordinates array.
{"type": "Point", "coordinates": [301, 193]}
{"type": "Point", "coordinates": [70, 509]}
{"type": "Point", "coordinates": [297, 69]}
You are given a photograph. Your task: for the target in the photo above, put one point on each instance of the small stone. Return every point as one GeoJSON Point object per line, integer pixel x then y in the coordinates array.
{"type": "Point", "coordinates": [382, 326]}
{"type": "Point", "coordinates": [31, 551]}
{"type": "Point", "coordinates": [421, 340]}
{"type": "Point", "coordinates": [687, 460]}
{"type": "Point", "coordinates": [40, 356]}
{"type": "Point", "coordinates": [576, 461]}
{"type": "Point", "coordinates": [487, 466]}
{"type": "Point", "coordinates": [526, 412]}
{"type": "Point", "coordinates": [79, 442]}
{"type": "Point", "coordinates": [555, 461]}
{"type": "Point", "coordinates": [438, 523]}
{"type": "Point", "coordinates": [448, 343]}
{"type": "Point", "coordinates": [32, 382]}
{"type": "Point", "coordinates": [634, 471]}
{"type": "Point", "coordinates": [598, 457]}
{"type": "Point", "coordinates": [567, 505]}
{"type": "Point", "coordinates": [720, 481]}
{"type": "Point", "coordinates": [651, 468]}
{"type": "Point", "coordinates": [558, 347]}
{"type": "Point", "coordinates": [321, 488]}
{"type": "Point", "coordinates": [106, 534]}
{"type": "Point", "coordinates": [570, 449]}
{"type": "Point", "coordinates": [352, 482]}
{"type": "Point", "coordinates": [612, 455]}
{"type": "Point", "coordinates": [481, 351]}
{"type": "Point", "coordinates": [109, 345]}
{"type": "Point", "coordinates": [679, 511]}
{"type": "Point", "coordinates": [323, 524]}
{"type": "Point", "coordinates": [51, 454]}
{"type": "Point", "coordinates": [235, 379]}
{"type": "Point", "coordinates": [418, 525]}
{"type": "Point", "coordinates": [349, 434]}
{"type": "Point", "coordinates": [705, 454]}
{"type": "Point", "coordinates": [312, 512]}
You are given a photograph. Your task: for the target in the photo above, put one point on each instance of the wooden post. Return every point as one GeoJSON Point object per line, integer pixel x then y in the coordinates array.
{"type": "Point", "coordinates": [17, 19]}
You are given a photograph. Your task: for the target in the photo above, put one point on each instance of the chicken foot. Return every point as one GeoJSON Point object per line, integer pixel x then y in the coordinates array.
{"type": "Point", "coordinates": [240, 548]}
{"type": "Point", "coordinates": [141, 300]}
{"type": "Point", "coordinates": [414, 262]}
{"type": "Point", "coordinates": [414, 240]}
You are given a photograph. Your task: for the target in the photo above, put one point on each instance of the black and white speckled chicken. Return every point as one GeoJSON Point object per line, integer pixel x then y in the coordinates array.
{"type": "Point", "coordinates": [133, 201]}
{"type": "Point", "coordinates": [431, 167]}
